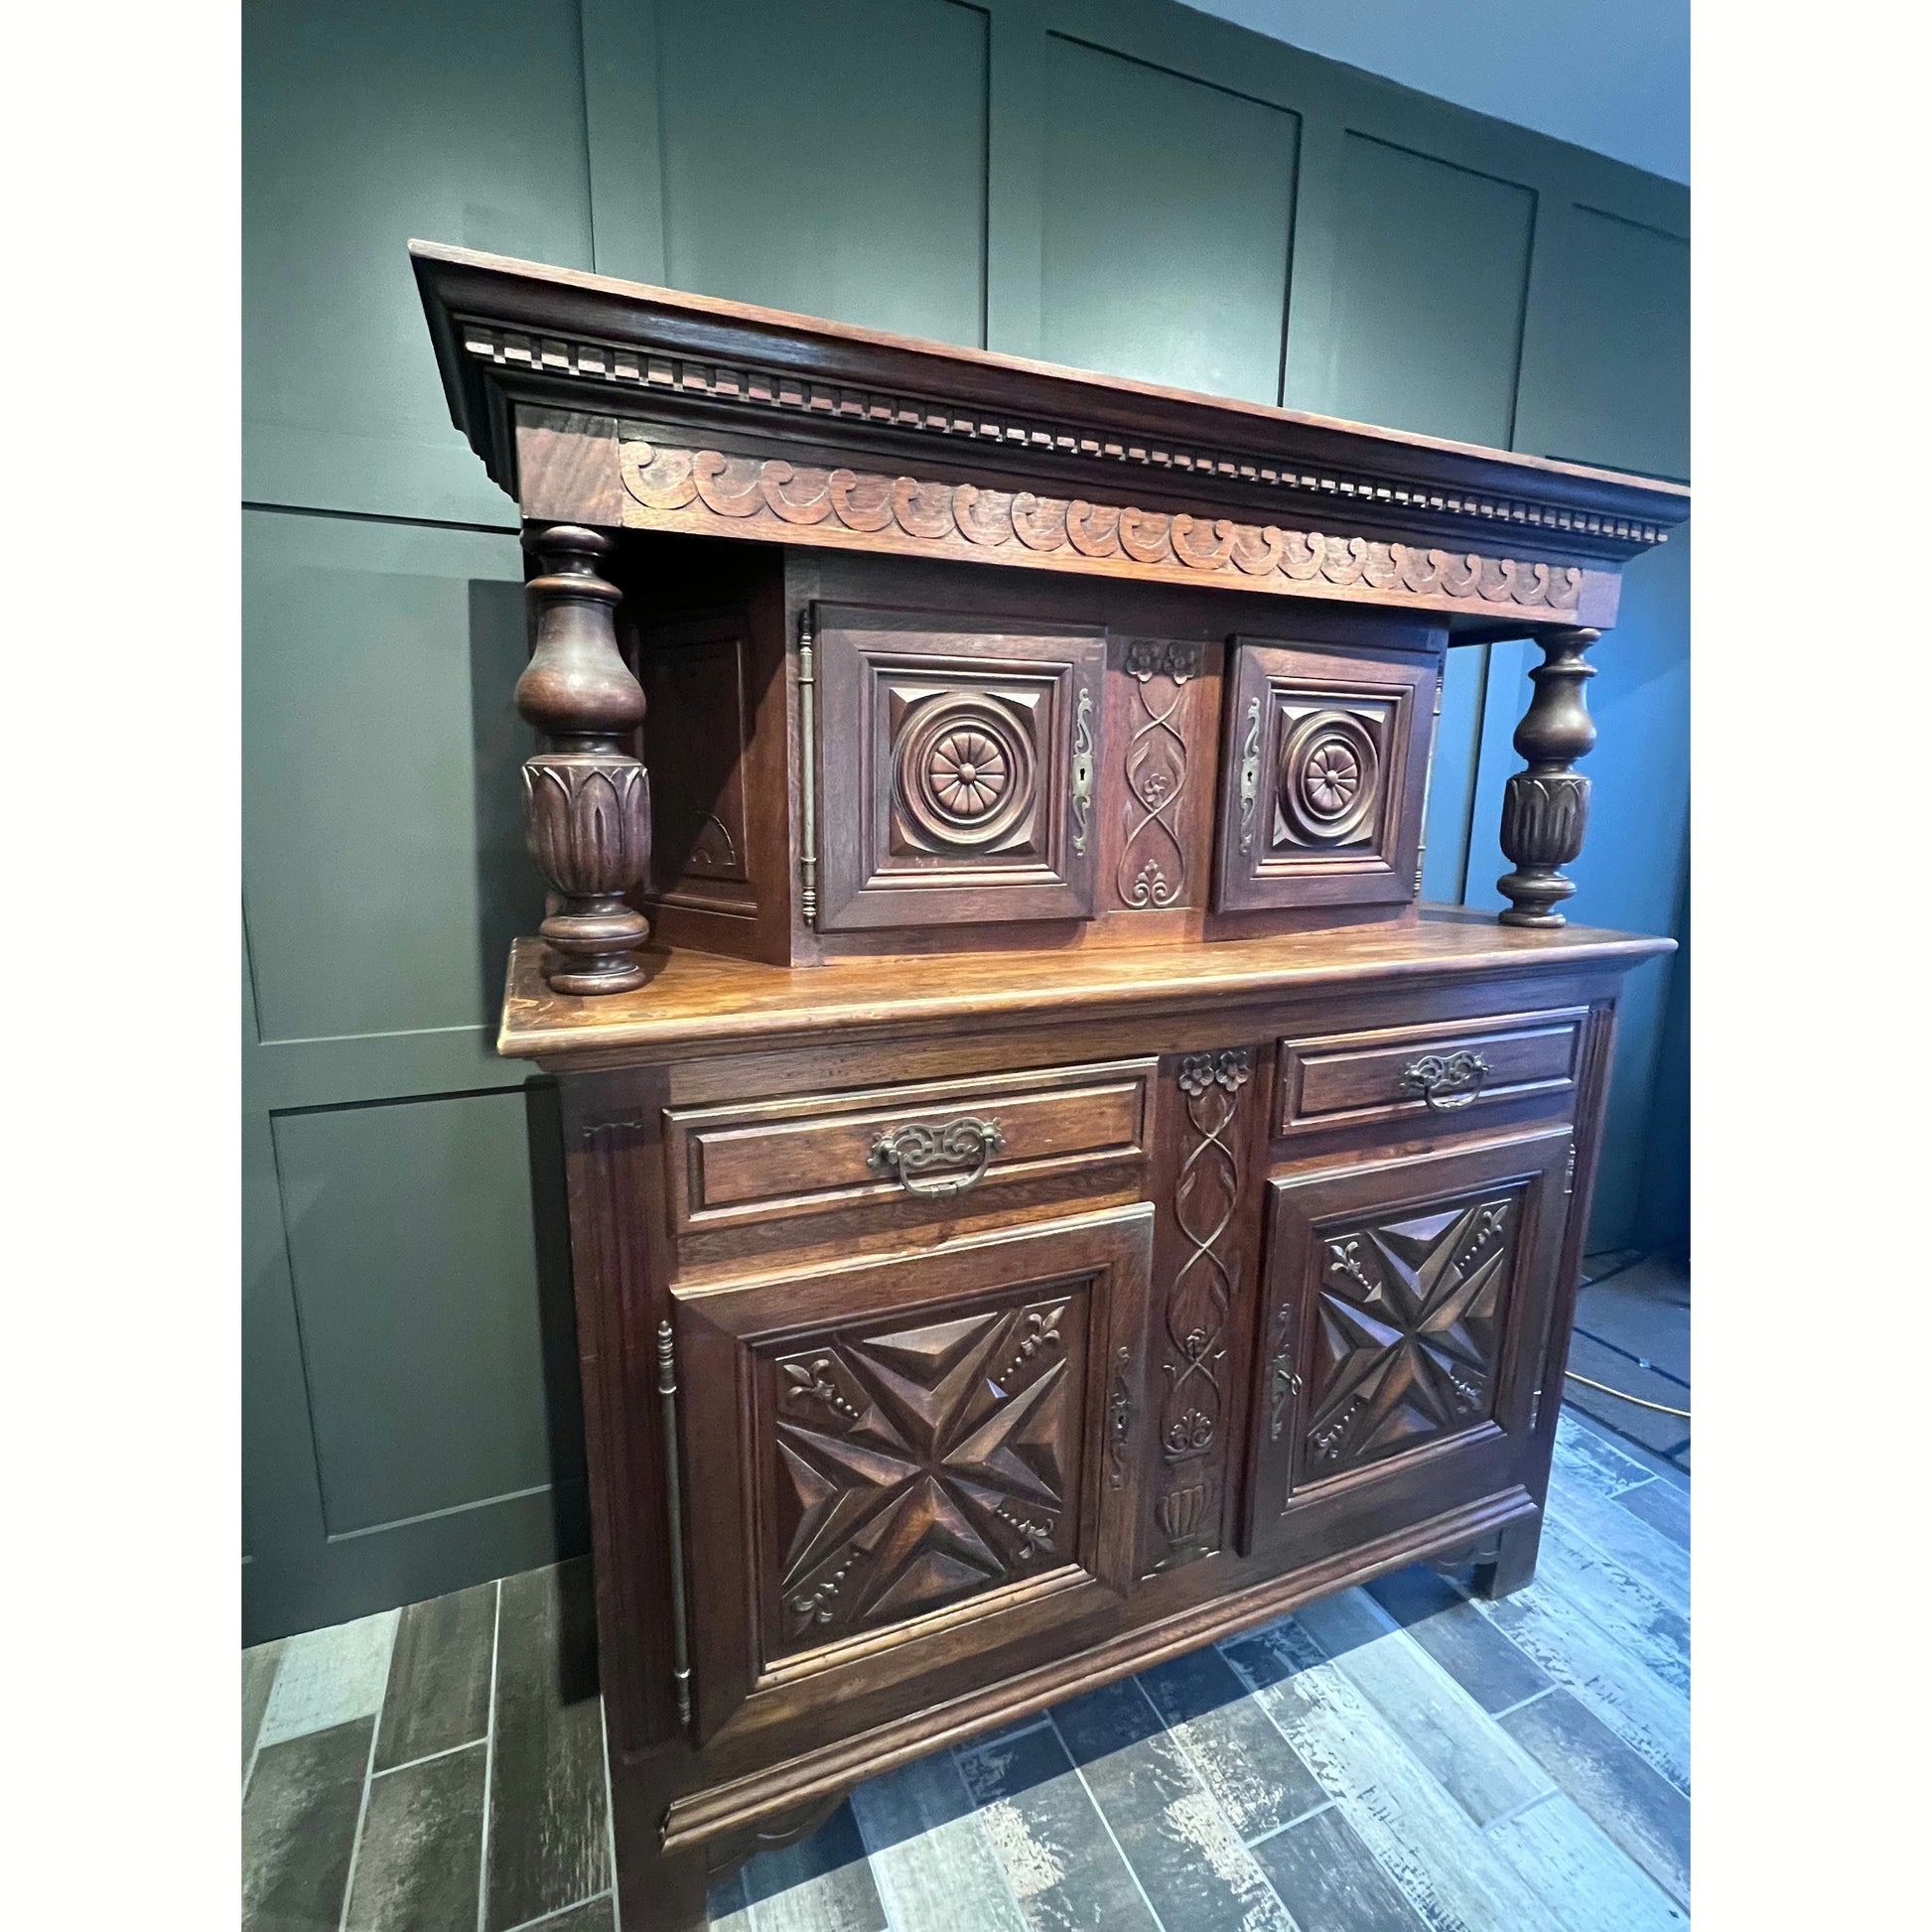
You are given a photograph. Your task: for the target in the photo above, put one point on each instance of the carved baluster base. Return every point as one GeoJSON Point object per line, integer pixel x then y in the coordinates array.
{"type": "Point", "coordinates": [1546, 808]}
{"type": "Point", "coordinates": [590, 827]}
{"type": "Point", "coordinates": [587, 799]}
{"type": "Point", "coordinates": [1544, 816]}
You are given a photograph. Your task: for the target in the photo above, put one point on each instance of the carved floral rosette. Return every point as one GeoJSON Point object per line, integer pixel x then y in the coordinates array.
{"type": "Point", "coordinates": [698, 488]}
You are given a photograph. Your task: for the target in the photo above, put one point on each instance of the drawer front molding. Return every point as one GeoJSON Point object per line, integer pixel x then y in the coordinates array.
{"type": "Point", "coordinates": [1458, 1068]}
{"type": "Point", "coordinates": [759, 1160]}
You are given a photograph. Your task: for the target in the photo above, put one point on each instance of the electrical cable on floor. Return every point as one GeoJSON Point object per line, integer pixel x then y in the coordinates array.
{"type": "Point", "coordinates": [1662, 1408]}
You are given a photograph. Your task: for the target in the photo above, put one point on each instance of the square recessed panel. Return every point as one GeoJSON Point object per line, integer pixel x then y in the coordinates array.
{"type": "Point", "coordinates": [1324, 761]}
{"type": "Point", "coordinates": [956, 772]}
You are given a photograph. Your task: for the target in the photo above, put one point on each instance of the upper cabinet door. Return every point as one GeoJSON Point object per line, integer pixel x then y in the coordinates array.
{"type": "Point", "coordinates": [1324, 770]}
{"type": "Point", "coordinates": [956, 770]}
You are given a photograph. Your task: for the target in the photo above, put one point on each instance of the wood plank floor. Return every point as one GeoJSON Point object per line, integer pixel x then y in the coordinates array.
{"type": "Point", "coordinates": [1395, 1759]}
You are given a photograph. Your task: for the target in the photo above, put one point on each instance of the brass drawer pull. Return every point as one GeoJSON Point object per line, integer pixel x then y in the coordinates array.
{"type": "Point", "coordinates": [907, 1152]}
{"type": "Point", "coordinates": [1446, 1080]}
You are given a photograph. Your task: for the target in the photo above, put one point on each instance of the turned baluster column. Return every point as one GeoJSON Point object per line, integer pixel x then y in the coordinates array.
{"type": "Point", "coordinates": [586, 799]}
{"type": "Point", "coordinates": [1546, 807]}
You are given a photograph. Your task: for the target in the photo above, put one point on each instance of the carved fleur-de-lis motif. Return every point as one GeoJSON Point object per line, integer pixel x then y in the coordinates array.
{"type": "Point", "coordinates": [811, 1382]}
{"type": "Point", "coordinates": [1039, 1331]}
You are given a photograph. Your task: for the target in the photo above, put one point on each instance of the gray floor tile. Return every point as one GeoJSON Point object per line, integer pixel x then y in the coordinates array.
{"type": "Point", "coordinates": [1664, 1507]}
{"type": "Point", "coordinates": [1232, 1743]}
{"type": "Point", "coordinates": [548, 1828]}
{"type": "Point", "coordinates": [823, 1884]}
{"type": "Point", "coordinates": [297, 1829]}
{"type": "Point", "coordinates": [439, 1677]}
{"type": "Point", "coordinates": [1460, 1638]}
{"type": "Point", "coordinates": [329, 1677]}
{"type": "Point", "coordinates": [1643, 1813]}
{"type": "Point", "coordinates": [1329, 1879]}
{"type": "Point", "coordinates": [931, 1856]}
{"type": "Point", "coordinates": [419, 1863]}
{"type": "Point", "coordinates": [1186, 1855]}
{"type": "Point", "coordinates": [1061, 1862]}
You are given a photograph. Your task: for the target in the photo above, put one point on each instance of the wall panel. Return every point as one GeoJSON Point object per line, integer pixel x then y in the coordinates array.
{"type": "Point", "coordinates": [411, 1237]}
{"type": "Point", "coordinates": [1431, 272]}
{"type": "Point", "coordinates": [829, 159]}
{"type": "Point", "coordinates": [365, 122]}
{"type": "Point", "coordinates": [381, 804]}
{"type": "Point", "coordinates": [1169, 207]}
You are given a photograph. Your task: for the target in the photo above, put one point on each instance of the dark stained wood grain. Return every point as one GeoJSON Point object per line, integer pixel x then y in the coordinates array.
{"type": "Point", "coordinates": [548, 1845]}
{"type": "Point", "coordinates": [439, 1677]}
{"type": "Point", "coordinates": [297, 1827]}
{"type": "Point", "coordinates": [419, 1861]}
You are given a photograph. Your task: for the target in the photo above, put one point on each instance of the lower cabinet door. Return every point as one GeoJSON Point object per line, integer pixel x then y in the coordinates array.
{"type": "Point", "coordinates": [907, 1471]}
{"type": "Point", "coordinates": [1405, 1307]}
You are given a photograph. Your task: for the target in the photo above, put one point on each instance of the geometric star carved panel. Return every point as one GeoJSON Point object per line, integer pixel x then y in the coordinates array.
{"type": "Point", "coordinates": [913, 1466]}
{"type": "Point", "coordinates": [1409, 1317]}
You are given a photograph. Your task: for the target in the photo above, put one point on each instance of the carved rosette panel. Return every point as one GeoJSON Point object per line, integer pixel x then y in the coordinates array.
{"type": "Point", "coordinates": [1153, 869]}
{"type": "Point", "coordinates": [748, 495]}
{"type": "Point", "coordinates": [964, 773]}
{"type": "Point", "coordinates": [912, 1467]}
{"type": "Point", "coordinates": [1329, 786]}
{"type": "Point", "coordinates": [1194, 1367]}
{"type": "Point", "coordinates": [589, 817]}
{"type": "Point", "coordinates": [1410, 1320]}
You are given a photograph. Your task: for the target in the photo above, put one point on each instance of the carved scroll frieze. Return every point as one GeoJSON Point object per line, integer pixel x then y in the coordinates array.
{"type": "Point", "coordinates": [1153, 869]}
{"type": "Point", "coordinates": [746, 495]}
{"type": "Point", "coordinates": [778, 395]}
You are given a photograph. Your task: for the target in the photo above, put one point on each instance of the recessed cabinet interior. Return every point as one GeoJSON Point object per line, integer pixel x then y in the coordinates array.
{"type": "Point", "coordinates": [1043, 1193]}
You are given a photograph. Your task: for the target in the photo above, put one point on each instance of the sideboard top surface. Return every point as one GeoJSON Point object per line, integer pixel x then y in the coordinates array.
{"type": "Point", "coordinates": [695, 1003]}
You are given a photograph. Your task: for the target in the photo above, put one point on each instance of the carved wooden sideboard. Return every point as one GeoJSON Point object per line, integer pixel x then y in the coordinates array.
{"type": "Point", "coordinates": [1043, 1192]}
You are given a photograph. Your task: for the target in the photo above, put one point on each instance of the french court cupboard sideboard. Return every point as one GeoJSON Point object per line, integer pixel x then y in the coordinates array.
{"type": "Point", "coordinates": [1045, 1194]}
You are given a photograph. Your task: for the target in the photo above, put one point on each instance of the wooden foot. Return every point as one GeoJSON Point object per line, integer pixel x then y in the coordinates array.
{"type": "Point", "coordinates": [1514, 1563]}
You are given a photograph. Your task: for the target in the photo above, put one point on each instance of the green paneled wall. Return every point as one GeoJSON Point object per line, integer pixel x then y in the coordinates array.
{"type": "Point", "coordinates": [1120, 184]}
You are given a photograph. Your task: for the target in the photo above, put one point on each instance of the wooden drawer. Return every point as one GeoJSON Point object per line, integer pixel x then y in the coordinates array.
{"type": "Point", "coordinates": [762, 1160]}
{"type": "Point", "coordinates": [1347, 1079]}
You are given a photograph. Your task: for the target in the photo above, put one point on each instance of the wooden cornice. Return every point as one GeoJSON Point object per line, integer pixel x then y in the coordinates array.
{"type": "Point", "coordinates": [647, 386]}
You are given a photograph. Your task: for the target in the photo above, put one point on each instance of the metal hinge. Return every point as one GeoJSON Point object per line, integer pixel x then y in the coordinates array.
{"type": "Point", "coordinates": [1428, 778]}
{"type": "Point", "coordinates": [809, 769]}
{"type": "Point", "coordinates": [674, 1513]}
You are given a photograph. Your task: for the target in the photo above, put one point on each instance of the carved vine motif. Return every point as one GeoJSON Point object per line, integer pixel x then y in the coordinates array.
{"type": "Point", "coordinates": [1157, 774]}
{"type": "Point", "coordinates": [943, 1460]}
{"type": "Point", "coordinates": [1284, 1380]}
{"type": "Point", "coordinates": [1250, 774]}
{"type": "Point", "coordinates": [1331, 780]}
{"type": "Point", "coordinates": [752, 490]}
{"type": "Point", "coordinates": [1412, 1315]}
{"type": "Point", "coordinates": [1207, 1193]}
{"type": "Point", "coordinates": [623, 365]}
